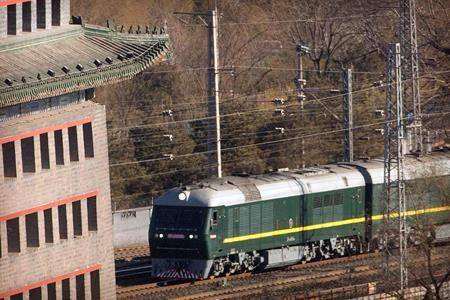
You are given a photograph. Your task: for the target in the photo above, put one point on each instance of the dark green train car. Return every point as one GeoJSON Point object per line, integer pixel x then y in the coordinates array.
{"type": "Point", "coordinates": [242, 223]}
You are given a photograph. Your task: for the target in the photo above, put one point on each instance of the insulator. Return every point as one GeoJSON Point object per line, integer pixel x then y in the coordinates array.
{"type": "Point", "coordinates": [169, 156]}
{"type": "Point", "coordinates": [280, 129]}
{"type": "Point", "coordinates": [279, 101]}
{"type": "Point", "coordinates": [167, 113]}
{"type": "Point", "coordinates": [279, 112]}
{"type": "Point", "coordinates": [51, 73]}
{"type": "Point", "coordinates": [97, 63]}
{"type": "Point", "coordinates": [379, 131]}
{"type": "Point", "coordinates": [379, 113]}
{"type": "Point", "coordinates": [168, 136]}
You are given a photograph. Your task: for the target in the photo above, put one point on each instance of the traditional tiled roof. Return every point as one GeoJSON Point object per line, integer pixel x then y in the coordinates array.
{"type": "Point", "coordinates": [71, 58]}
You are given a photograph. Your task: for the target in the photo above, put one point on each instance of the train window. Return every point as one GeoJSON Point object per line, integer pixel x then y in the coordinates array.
{"type": "Point", "coordinates": [338, 199]}
{"type": "Point", "coordinates": [214, 218]}
{"type": "Point", "coordinates": [317, 202]}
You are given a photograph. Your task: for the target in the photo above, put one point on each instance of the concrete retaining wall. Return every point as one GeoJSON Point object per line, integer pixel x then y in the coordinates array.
{"type": "Point", "coordinates": [130, 227]}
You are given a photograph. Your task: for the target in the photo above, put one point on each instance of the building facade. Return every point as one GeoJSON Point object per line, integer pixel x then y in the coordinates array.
{"type": "Point", "coordinates": [55, 210]}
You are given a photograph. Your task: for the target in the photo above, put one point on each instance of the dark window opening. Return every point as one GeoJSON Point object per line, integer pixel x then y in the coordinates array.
{"type": "Point", "coordinates": [35, 294]}
{"type": "Point", "coordinates": [76, 214]}
{"type": "Point", "coordinates": [51, 291]}
{"type": "Point", "coordinates": [26, 16]}
{"type": "Point", "coordinates": [17, 297]}
{"type": "Point", "coordinates": [62, 221]}
{"type": "Point", "coordinates": [59, 147]}
{"type": "Point", "coordinates": [12, 19]}
{"type": "Point", "coordinates": [88, 140]}
{"type": "Point", "coordinates": [40, 13]}
{"type": "Point", "coordinates": [65, 286]}
{"type": "Point", "coordinates": [95, 285]}
{"type": "Point", "coordinates": [45, 157]}
{"type": "Point", "coordinates": [28, 159]}
{"type": "Point", "coordinates": [32, 230]}
{"type": "Point", "coordinates": [56, 12]}
{"type": "Point", "coordinates": [48, 224]}
{"type": "Point", "coordinates": [214, 218]}
{"type": "Point", "coordinates": [92, 213]}
{"type": "Point", "coordinates": [73, 143]}
{"type": "Point", "coordinates": [80, 287]}
{"type": "Point", "coordinates": [9, 159]}
{"type": "Point", "coordinates": [13, 235]}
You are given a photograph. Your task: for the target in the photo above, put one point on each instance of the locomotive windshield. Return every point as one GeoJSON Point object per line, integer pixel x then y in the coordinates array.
{"type": "Point", "coordinates": [175, 217]}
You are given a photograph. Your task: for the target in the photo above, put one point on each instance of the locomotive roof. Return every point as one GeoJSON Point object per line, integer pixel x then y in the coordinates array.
{"type": "Point", "coordinates": [232, 190]}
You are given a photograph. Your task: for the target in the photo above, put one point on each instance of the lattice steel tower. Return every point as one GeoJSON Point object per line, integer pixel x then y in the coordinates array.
{"type": "Point", "coordinates": [407, 33]}
{"type": "Point", "coordinates": [394, 221]}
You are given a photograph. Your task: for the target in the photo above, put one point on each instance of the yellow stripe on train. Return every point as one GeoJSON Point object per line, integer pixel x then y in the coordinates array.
{"type": "Point", "coordinates": [328, 225]}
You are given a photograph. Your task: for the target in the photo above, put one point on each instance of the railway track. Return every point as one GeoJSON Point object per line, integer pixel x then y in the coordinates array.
{"type": "Point", "coordinates": [167, 289]}
{"type": "Point", "coordinates": [324, 276]}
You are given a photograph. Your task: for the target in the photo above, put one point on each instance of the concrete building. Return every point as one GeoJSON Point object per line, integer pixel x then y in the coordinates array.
{"type": "Point", "coordinates": [55, 210]}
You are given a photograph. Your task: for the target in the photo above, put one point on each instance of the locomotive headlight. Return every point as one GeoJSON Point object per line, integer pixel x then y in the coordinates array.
{"type": "Point", "coordinates": [191, 236]}
{"type": "Point", "coordinates": [161, 235]}
{"type": "Point", "coordinates": [182, 196]}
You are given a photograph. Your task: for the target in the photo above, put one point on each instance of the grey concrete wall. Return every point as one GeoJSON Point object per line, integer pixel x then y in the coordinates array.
{"type": "Point", "coordinates": [65, 12]}
{"type": "Point", "coordinates": [130, 227]}
{"type": "Point", "coordinates": [31, 191]}
{"type": "Point", "coordinates": [3, 24]}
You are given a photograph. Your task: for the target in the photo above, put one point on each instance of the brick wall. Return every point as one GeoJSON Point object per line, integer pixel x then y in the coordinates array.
{"type": "Point", "coordinates": [34, 191]}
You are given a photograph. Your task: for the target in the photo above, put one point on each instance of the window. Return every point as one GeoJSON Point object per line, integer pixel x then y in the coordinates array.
{"type": "Point", "coordinates": [214, 218]}
{"type": "Point", "coordinates": [317, 202]}
{"type": "Point", "coordinates": [79, 280]}
{"type": "Point", "coordinates": [88, 140]}
{"type": "Point", "coordinates": [56, 12]}
{"type": "Point", "coordinates": [28, 161]}
{"type": "Point", "coordinates": [95, 285]}
{"type": "Point", "coordinates": [9, 159]}
{"type": "Point", "coordinates": [45, 159]}
{"type": "Point", "coordinates": [40, 16]}
{"type": "Point", "coordinates": [76, 216]}
{"type": "Point", "coordinates": [48, 224]}
{"type": "Point", "coordinates": [31, 226]}
{"type": "Point", "coordinates": [13, 235]}
{"type": "Point", "coordinates": [17, 297]}
{"type": "Point", "coordinates": [65, 286]}
{"type": "Point", "coordinates": [12, 19]}
{"type": "Point", "coordinates": [51, 291]}
{"type": "Point", "coordinates": [92, 213]}
{"type": "Point", "coordinates": [26, 16]}
{"type": "Point", "coordinates": [62, 221]}
{"type": "Point", "coordinates": [73, 143]}
{"type": "Point", "coordinates": [35, 294]}
{"type": "Point", "coordinates": [59, 148]}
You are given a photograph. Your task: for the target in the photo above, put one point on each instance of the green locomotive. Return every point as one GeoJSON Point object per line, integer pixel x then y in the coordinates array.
{"type": "Point", "coordinates": [240, 223]}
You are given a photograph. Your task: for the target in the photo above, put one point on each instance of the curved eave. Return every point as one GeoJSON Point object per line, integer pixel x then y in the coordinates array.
{"type": "Point", "coordinates": [106, 74]}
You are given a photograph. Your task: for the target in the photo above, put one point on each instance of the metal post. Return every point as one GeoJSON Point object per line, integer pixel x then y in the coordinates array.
{"type": "Point", "coordinates": [214, 143]}
{"type": "Point", "coordinates": [410, 63]}
{"type": "Point", "coordinates": [348, 115]}
{"type": "Point", "coordinates": [393, 168]}
{"type": "Point", "coordinates": [300, 83]}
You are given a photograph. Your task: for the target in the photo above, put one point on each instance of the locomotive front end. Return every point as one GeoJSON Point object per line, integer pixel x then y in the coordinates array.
{"type": "Point", "coordinates": [178, 237]}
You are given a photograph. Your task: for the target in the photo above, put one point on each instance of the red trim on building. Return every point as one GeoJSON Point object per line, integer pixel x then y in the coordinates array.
{"type": "Point", "coordinates": [50, 280]}
{"type": "Point", "coordinates": [9, 2]}
{"type": "Point", "coordinates": [44, 130]}
{"type": "Point", "coordinates": [48, 205]}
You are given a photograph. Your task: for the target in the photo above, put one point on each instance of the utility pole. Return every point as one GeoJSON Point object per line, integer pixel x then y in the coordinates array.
{"type": "Point", "coordinates": [395, 199]}
{"type": "Point", "coordinates": [348, 115]}
{"type": "Point", "coordinates": [214, 143]}
{"type": "Point", "coordinates": [300, 83]}
{"type": "Point", "coordinates": [410, 62]}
